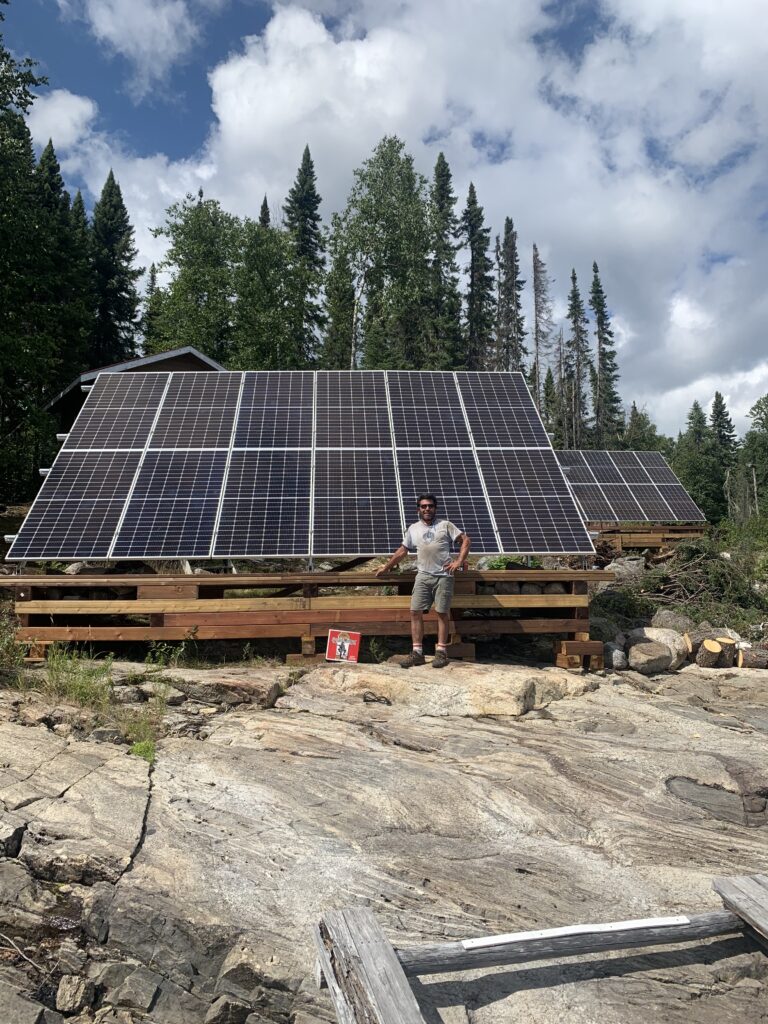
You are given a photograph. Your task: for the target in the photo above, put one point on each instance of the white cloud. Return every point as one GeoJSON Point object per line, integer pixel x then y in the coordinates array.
{"type": "Point", "coordinates": [647, 154]}
{"type": "Point", "coordinates": [151, 34]}
{"type": "Point", "coordinates": [62, 116]}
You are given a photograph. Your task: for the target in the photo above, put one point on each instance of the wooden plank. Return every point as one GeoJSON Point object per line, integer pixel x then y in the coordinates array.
{"type": "Point", "coordinates": [747, 897]}
{"type": "Point", "coordinates": [344, 1013]}
{"type": "Point", "coordinates": [369, 982]}
{"type": "Point", "coordinates": [177, 591]}
{"type": "Point", "coordinates": [246, 632]}
{"type": "Point", "coordinates": [550, 944]}
{"type": "Point", "coordinates": [148, 607]}
{"type": "Point", "coordinates": [579, 646]}
{"type": "Point", "coordinates": [459, 601]}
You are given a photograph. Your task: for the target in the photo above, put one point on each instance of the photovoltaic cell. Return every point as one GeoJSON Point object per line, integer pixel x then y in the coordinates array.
{"type": "Point", "coordinates": [366, 526]}
{"type": "Point", "coordinates": [180, 528]}
{"type": "Point", "coordinates": [501, 412]}
{"type": "Point", "coordinates": [352, 410]}
{"type": "Point", "coordinates": [90, 476]}
{"type": "Point", "coordinates": [118, 412]}
{"type": "Point", "coordinates": [273, 473]}
{"type": "Point", "coordinates": [180, 474]}
{"type": "Point", "coordinates": [630, 487]}
{"type": "Point", "coordinates": [426, 410]}
{"type": "Point", "coordinates": [198, 411]}
{"type": "Point", "coordinates": [250, 528]}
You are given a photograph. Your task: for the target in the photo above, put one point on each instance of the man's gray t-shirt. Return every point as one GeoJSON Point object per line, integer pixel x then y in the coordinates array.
{"type": "Point", "coordinates": [432, 543]}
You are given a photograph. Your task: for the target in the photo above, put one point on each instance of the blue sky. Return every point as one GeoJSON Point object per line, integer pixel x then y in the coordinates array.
{"type": "Point", "coordinates": [630, 132]}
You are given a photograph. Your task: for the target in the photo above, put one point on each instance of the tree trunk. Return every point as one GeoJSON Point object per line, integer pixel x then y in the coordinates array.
{"type": "Point", "coordinates": [708, 653]}
{"type": "Point", "coordinates": [753, 657]}
{"type": "Point", "coordinates": [728, 653]}
{"type": "Point", "coordinates": [694, 639]}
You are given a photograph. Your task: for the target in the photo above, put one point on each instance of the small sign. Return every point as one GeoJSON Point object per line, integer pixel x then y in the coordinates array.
{"type": "Point", "coordinates": [342, 645]}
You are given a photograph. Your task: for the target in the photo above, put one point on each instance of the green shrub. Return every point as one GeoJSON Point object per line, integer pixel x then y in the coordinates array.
{"type": "Point", "coordinates": [79, 678]}
{"type": "Point", "coordinates": [145, 749]}
{"type": "Point", "coordinates": [11, 651]}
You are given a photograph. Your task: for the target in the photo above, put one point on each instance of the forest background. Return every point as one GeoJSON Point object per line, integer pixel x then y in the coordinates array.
{"type": "Point", "coordinates": [406, 276]}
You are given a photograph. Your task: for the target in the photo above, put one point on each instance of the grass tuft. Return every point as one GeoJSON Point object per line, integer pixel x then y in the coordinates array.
{"type": "Point", "coordinates": [145, 749]}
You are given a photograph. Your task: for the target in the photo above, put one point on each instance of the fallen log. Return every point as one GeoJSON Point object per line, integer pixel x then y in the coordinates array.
{"type": "Point", "coordinates": [708, 653]}
{"type": "Point", "coordinates": [728, 653]}
{"type": "Point", "coordinates": [753, 657]}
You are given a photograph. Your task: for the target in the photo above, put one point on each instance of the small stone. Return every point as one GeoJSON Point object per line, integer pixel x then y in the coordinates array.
{"type": "Point", "coordinates": [226, 1010]}
{"type": "Point", "coordinates": [615, 657]}
{"type": "Point", "coordinates": [11, 831]}
{"type": "Point", "coordinates": [240, 973]}
{"type": "Point", "coordinates": [138, 990]}
{"type": "Point", "coordinates": [127, 695]}
{"type": "Point", "coordinates": [71, 958]}
{"type": "Point", "coordinates": [554, 588]}
{"type": "Point", "coordinates": [73, 994]}
{"type": "Point", "coordinates": [530, 588]}
{"type": "Point", "coordinates": [164, 691]}
{"type": "Point", "coordinates": [106, 734]}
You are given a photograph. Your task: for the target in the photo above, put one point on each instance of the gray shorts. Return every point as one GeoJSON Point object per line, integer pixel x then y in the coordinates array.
{"type": "Point", "coordinates": [428, 589]}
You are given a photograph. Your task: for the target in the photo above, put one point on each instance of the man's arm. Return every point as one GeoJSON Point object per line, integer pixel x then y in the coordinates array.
{"type": "Point", "coordinates": [398, 556]}
{"type": "Point", "coordinates": [459, 560]}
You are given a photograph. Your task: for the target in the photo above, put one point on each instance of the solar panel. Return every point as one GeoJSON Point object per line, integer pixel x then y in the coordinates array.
{"type": "Point", "coordinates": [299, 463]}
{"type": "Point", "coordinates": [627, 486]}
{"type": "Point", "coordinates": [500, 411]}
{"type": "Point", "coordinates": [118, 412]}
{"type": "Point", "coordinates": [531, 502]}
{"type": "Point", "coordinates": [453, 475]}
{"type": "Point", "coordinates": [426, 410]}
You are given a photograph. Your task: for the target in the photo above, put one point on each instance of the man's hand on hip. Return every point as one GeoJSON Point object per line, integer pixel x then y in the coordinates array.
{"type": "Point", "coordinates": [452, 567]}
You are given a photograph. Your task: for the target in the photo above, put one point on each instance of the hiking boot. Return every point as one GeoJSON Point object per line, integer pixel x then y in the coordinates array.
{"type": "Point", "coordinates": [440, 659]}
{"type": "Point", "coordinates": [414, 658]}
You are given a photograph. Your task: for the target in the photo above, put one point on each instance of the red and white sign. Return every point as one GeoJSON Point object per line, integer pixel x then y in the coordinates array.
{"type": "Point", "coordinates": [342, 645]}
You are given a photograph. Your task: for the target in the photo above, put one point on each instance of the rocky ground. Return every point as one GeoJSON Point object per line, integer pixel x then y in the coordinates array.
{"type": "Point", "coordinates": [480, 799]}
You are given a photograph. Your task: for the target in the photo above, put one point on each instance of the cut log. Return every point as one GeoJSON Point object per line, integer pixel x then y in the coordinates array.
{"type": "Point", "coordinates": [695, 637]}
{"type": "Point", "coordinates": [753, 657]}
{"type": "Point", "coordinates": [708, 653]}
{"type": "Point", "coordinates": [728, 653]}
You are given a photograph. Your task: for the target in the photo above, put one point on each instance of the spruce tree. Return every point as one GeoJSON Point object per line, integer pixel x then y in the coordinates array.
{"type": "Point", "coordinates": [606, 404]}
{"type": "Point", "coordinates": [82, 300]}
{"type": "Point", "coordinates": [641, 435]}
{"type": "Point", "coordinates": [262, 337]}
{"type": "Point", "coordinates": [446, 340]}
{"type": "Point", "coordinates": [479, 313]}
{"type": "Point", "coordinates": [723, 431]}
{"type": "Point", "coordinates": [338, 349]}
{"type": "Point", "coordinates": [697, 462]}
{"type": "Point", "coordinates": [550, 403]}
{"type": "Point", "coordinates": [511, 352]}
{"type": "Point", "coordinates": [542, 325]}
{"type": "Point", "coordinates": [117, 297]}
{"type": "Point", "coordinates": [577, 366]}
{"type": "Point", "coordinates": [302, 221]}
{"type": "Point", "coordinates": [264, 217]}
{"type": "Point", "coordinates": [152, 320]}
{"type": "Point", "coordinates": [51, 286]}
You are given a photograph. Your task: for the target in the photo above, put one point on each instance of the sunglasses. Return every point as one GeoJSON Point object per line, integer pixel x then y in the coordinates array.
{"type": "Point", "coordinates": [431, 505]}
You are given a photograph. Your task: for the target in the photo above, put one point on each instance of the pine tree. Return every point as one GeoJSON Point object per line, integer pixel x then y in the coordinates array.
{"type": "Point", "coordinates": [445, 316]}
{"type": "Point", "coordinates": [53, 243]}
{"type": "Point", "coordinates": [302, 221]}
{"type": "Point", "coordinates": [560, 418]}
{"type": "Point", "coordinates": [338, 350]}
{"type": "Point", "coordinates": [641, 435]}
{"type": "Point", "coordinates": [262, 339]}
{"type": "Point", "coordinates": [82, 298]}
{"type": "Point", "coordinates": [608, 415]}
{"type": "Point", "coordinates": [542, 325]}
{"type": "Point", "coordinates": [152, 319]}
{"type": "Point", "coordinates": [511, 352]}
{"type": "Point", "coordinates": [550, 403]}
{"type": "Point", "coordinates": [479, 297]}
{"type": "Point", "coordinates": [117, 297]}
{"type": "Point", "coordinates": [723, 431]}
{"type": "Point", "coordinates": [196, 308]}
{"type": "Point", "coordinates": [264, 217]}
{"type": "Point", "coordinates": [577, 365]}
{"type": "Point", "coordinates": [698, 464]}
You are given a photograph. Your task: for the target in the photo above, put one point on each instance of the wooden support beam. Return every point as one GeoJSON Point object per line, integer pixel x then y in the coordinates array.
{"type": "Point", "coordinates": [552, 943]}
{"type": "Point", "coordinates": [746, 895]}
{"type": "Point", "coordinates": [69, 634]}
{"type": "Point", "coordinates": [365, 979]}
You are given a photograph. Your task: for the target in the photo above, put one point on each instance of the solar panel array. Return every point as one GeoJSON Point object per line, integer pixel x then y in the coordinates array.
{"type": "Point", "coordinates": [219, 465]}
{"type": "Point", "coordinates": [627, 487]}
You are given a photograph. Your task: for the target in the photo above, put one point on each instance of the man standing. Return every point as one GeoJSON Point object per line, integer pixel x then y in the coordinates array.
{"type": "Point", "coordinates": [432, 539]}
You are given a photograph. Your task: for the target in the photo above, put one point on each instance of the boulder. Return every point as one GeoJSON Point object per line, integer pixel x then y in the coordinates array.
{"type": "Point", "coordinates": [530, 588]}
{"type": "Point", "coordinates": [615, 657]}
{"type": "Point", "coordinates": [554, 588]}
{"type": "Point", "coordinates": [139, 990]}
{"type": "Point", "coordinates": [669, 637]}
{"type": "Point", "coordinates": [626, 569]}
{"type": "Point", "coordinates": [649, 657]}
{"type": "Point", "coordinates": [666, 618]}
{"type": "Point", "coordinates": [164, 691]}
{"type": "Point", "coordinates": [241, 972]}
{"type": "Point", "coordinates": [601, 628]}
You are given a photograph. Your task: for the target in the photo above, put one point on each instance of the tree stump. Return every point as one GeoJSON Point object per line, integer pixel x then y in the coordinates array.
{"type": "Point", "coordinates": [708, 653]}
{"type": "Point", "coordinates": [753, 657]}
{"type": "Point", "coordinates": [728, 653]}
{"type": "Point", "coordinates": [695, 637]}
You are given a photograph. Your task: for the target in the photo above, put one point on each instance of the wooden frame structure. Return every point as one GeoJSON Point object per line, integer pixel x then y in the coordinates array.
{"type": "Point", "coordinates": [305, 606]}
{"type": "Point", "coordinates": [648, 535]}
{"type": "Point", "coordinates": [367, 977]}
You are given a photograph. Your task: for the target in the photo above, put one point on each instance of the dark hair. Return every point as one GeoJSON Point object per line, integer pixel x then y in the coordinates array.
{"type": "Point", "coordinates": [429, 497]}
